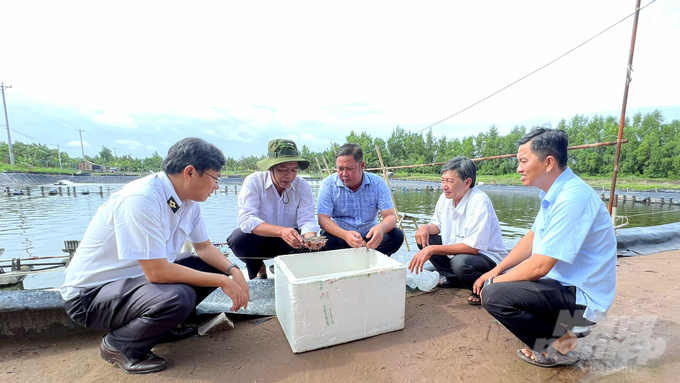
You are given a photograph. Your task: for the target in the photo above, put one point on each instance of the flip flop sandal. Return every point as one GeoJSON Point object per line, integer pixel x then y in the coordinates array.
{"type": "Point", "coordinates": [474, 303]}
{"type": "Point", "coordinates": [550, 358]}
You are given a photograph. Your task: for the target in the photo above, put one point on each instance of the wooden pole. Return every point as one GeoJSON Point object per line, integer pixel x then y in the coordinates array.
{"type": "Point", "coordinates": [321, 172]}
{"type": "Point", "coordinates": [384, 171]}
{"type": "Point", "coordinates": [328, 168]}
{"type": "Point", "coordinates": [623, 108]}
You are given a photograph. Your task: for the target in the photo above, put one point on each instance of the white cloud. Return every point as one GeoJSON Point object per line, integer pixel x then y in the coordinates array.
{"type": "Point", "coordinates": [115, 120]}
{"type": "Point", "coordinates": [75, 143]}
{"type": "Point", "coordinates": [298, 69]}
{"type": "Point", "coordinates": [131, 144]}
{"type": "Point", "coordinates": [149, 147]}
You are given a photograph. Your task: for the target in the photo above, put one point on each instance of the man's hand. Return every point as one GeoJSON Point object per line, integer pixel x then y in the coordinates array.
{"type": "Point", "coordinates": [237, 276]}
{"type": "Point", "coordinates": [423, 236]}
{"type": "Point", "coordinates": [353, 239]}
{"type": "Point", "coordinates": [292, 237]}
{"type": "Point", "coordinates": [234, 291]}
{"type": "Point", "coordinates": [479, 283]}
{"type": "Point", "coordinates": [416, 264]}
{"type": "Point", "coordinates": [376, 236]}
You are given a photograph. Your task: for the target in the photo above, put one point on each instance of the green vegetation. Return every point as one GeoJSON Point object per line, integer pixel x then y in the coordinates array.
{"type": "Point", "coordinates": [651, 158]}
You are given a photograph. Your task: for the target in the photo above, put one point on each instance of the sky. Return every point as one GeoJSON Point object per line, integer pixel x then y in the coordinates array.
{"type": "Point", "coordinates": [137, 76]}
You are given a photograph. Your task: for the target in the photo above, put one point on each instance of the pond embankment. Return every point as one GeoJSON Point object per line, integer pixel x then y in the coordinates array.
{"type": "Point", "coordinates": [24, 180]}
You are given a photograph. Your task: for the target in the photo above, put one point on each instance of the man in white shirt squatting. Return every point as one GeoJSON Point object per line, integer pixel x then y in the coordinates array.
{"type": "Point", "coordinates": [463, 239]}
{"type": "Point", "coordinates": [127, 276]}
{"type": "Point", "coordinates": [275, 210]}
{"type": "Point", "coordinates": [562, 273]}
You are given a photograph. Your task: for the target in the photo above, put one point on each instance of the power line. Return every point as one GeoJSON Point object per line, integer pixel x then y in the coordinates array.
{"type": "Point", "coordinates": [33, 138]}
{"type": "Point", "coordinates": [39, 109]}
{"type": "Point", "coordinates": [515, 82]}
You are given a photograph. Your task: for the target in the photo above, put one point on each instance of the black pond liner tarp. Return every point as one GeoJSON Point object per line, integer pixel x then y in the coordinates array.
{"type": "Point", "coordinates": [648, 240]}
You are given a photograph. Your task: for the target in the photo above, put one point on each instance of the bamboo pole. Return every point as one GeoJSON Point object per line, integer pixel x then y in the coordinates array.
{"type": "Point", "coordinates": [586, 146]}
{"type": "Point", "coordinates": [623, 109]}
{"type": "Point", "coordinates": [321, 172]}
{"type": "Point", "coordinates": [328, 168]}
{"type": "Point", "coordinates": [384, 171]}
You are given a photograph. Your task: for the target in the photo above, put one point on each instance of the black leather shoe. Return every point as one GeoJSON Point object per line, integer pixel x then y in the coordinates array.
{"type": "Point", "coordinates": [179, 333]}
{"type": "Point", "coordinates": [151, 363]}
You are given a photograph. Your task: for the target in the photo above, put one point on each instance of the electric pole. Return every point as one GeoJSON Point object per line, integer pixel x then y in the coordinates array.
{"type": "Point", "coordinates": [9, 136]}
{"type": "Point", "coordinates": [81, 142]}
{"type": "Point", "coordinates": [114, 152]}
{"type": "Point", "coordinates": [59, 154]}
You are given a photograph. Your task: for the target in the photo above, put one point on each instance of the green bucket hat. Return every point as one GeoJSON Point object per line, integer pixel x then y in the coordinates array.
{"type": "Point", "coordinates": [281, 151]}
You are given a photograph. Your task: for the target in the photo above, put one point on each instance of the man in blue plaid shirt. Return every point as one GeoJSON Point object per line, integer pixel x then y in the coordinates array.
{"type": "Point", "coordinates": [348, 206]}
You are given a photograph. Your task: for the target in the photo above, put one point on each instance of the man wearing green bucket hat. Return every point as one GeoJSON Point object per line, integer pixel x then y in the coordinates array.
{"type": "Point", "coordinates": [276, 209]}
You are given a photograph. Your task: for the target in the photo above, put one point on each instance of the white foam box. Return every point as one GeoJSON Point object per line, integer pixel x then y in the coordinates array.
{"type": "Point", "coordinates": [331, 297]}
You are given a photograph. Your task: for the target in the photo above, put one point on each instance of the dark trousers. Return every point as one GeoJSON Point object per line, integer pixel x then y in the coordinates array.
{"type": "Point", "coordinates": [536, 312]}
{"type": "Point", "coordinates": [390, 244]}
{"type": "Point", "coordinates": [137, 313]}
{"type": "Point", "coordinates": [461, 270]}
{"type": "Point", "coordinates": [253, 248]}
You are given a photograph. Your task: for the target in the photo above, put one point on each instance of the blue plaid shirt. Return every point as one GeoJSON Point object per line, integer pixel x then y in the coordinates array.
{"type": "Point", "coordinates": [355, 211]}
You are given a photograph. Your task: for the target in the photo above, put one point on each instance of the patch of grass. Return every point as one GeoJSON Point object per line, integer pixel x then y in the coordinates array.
{"type": "Point", "coordinates": [25, 168]}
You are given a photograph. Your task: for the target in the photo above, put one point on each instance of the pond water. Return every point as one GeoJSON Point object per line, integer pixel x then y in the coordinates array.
{"type": "Point", "coordinates": [37, 225]}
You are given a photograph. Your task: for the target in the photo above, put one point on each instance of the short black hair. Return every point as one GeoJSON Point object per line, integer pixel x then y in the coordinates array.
{"type": "Point", "coordinates": [193, 151]}
{"type": "Point", "coordinates": [548, 142]}
{"type": "Point", "coordinates": [353, 150]}
{"type": "Point", "coordinates": [464, 167]}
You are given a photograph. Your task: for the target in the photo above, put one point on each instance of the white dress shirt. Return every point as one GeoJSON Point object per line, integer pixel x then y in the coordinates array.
{"type": "Point", "coordinates": [473, 222]}
{"type": "Point", "coordinates": [135, 223]}
{"type": "Point", "coordinates": [259, 202]}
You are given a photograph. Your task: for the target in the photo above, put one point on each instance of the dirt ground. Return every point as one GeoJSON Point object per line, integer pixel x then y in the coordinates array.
{"type": "Point", "coordinates": [444, 340]}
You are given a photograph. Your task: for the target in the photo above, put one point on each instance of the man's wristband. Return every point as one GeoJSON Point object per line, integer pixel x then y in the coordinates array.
{"type": "Point", "coordinates": [231, 267]}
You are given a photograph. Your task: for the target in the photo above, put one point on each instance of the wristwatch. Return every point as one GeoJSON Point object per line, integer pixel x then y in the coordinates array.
{"type": "Point", "coordinates": [231, 267]}
{"type": "Point", "coordinates": [488, 282]}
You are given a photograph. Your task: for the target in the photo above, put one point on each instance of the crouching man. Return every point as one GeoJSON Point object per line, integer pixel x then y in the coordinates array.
{"type": "Point", "coordinates": [463, 240]}
{"type": "Point", "coordinates": [564, 269]}
{"type": "Point", "coordinates": [125, 276]}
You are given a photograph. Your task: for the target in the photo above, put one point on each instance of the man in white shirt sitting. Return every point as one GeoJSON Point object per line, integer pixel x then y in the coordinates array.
{"type": "Point", "coordinates": [276, 209]}
{"type": "Point", "coordinates": [463, 240]}
{"type": "Point", "coordinates": [126, 276]}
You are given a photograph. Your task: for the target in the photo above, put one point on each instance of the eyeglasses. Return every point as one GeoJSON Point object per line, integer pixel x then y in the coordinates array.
{"type": "Point", "coordinates": [217, 180]}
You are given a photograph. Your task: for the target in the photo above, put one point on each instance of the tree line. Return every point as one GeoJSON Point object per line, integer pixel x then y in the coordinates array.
{"type": "Point", "coordinates": [653, 150]}
{"type": "Point", "coordinates": [36, 155]}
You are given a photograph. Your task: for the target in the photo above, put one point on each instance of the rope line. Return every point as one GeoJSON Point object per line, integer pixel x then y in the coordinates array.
{"type": "Point", "coordinates": [515, 82]}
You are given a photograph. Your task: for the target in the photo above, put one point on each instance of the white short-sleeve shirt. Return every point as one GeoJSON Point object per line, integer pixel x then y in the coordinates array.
{"type": "Point", "coordinates": [473, 222]}
{"type": "Point", "coordinates": [258, 202]}
{"type": "Point", "coordinates": [144, 220]}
